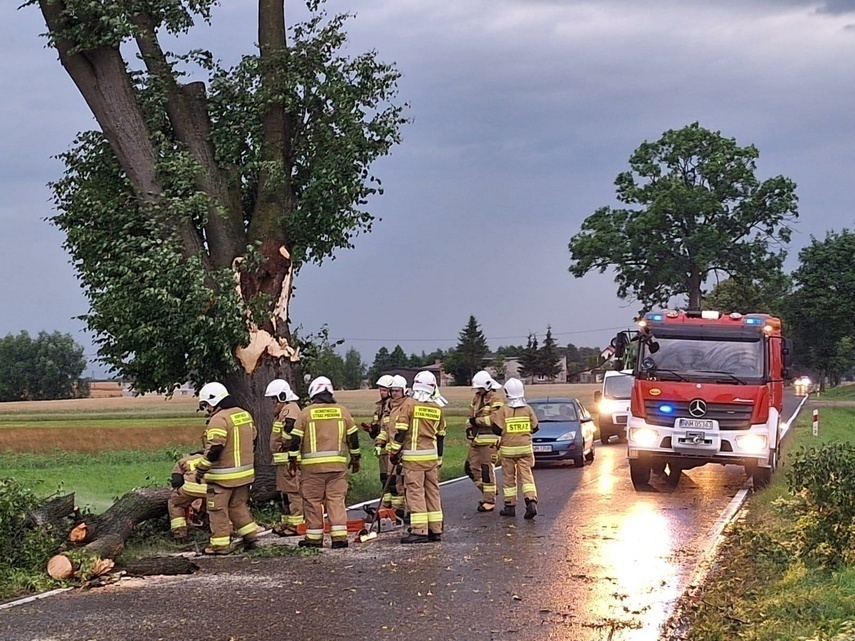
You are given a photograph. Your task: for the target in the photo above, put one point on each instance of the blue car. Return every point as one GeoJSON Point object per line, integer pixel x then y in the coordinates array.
{"type": "Point", "coordinates": [566, 431]}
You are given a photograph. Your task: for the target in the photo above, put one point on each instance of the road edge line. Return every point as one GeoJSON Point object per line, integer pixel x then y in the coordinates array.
{"type": "Point", "coordinates": [370, 501]}
{"type": "Point", "coordinates": [33, 597]}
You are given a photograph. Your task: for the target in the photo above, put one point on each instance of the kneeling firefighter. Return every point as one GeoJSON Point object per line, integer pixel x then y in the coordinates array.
{"type": "Point", "coordinates": [286, 412]}
{"type": "Point", "coordinates": [515, 422]}
{"type": "Point", "coordinates": [322, 438]}
{"type": "Point", "coordinates": [185, 491]}
{"type": "Point", "coordinates": [483, 443]}
{"type": "Point", "coordinates": [227, 467]}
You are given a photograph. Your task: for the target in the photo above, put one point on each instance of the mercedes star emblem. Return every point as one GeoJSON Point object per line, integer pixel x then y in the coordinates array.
{"type": "Point", "coordinates": [697, 408]}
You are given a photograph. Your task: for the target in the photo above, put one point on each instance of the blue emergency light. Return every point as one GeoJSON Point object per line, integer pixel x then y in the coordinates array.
{"type": "Point", "coordinates": [753, 321]}
{"type": "Point", "coordinates": [666, 409]}
{"type": "Point", "coordinates": [655, 317]}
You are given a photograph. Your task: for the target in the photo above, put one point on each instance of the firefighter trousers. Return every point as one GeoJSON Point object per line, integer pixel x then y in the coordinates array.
{"type": "Point", "coordinates": [421, 482]}
{"type": "Point", "coordinates": [479, 467]}
{"type": "Point", "coordinates": [177, 506]}
{"type": "Point", "coordinates": [517, 469]}
{"type": "Point", "coordinates": [324, 490]}
{"type": "Point", "coordinates": [229, 507]}
{"type": "Point", "coordinates": [289, 484]}
{"type": "Point", "coordinates": [397, 499]}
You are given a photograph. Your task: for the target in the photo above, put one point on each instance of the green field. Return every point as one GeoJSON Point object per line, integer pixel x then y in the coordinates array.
{"type": "Point", "coordinates": [758, 592]}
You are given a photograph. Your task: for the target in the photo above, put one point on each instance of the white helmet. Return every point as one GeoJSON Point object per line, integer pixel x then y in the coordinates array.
{"type": "Point", "coordinates": [424, 382]}
{"type": "Point", "coordinates": [483, 380]}
{"type": "Point", "coordinates": [514, 388]}
{"type": "Point", "coordinates": [212, 393]}
{"type": "Point", "coordinates": [281, 390]}
{"type": "Point", "coordinates": [320, 384]}
{"type": "Point", "coordinates": [398, 382]}
{"type": "Point", "coordinates": [384, 381]}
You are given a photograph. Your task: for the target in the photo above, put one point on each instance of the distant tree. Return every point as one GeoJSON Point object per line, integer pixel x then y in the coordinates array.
{"type": "Point", "coordinates": [398, 358]}
{"type": "Point", "coordinates": [510, 351]}
{"type": "Point", "coordinates": [354, 369]}
{"type": "Point", "coordinates": [529, 358]}
{"type": "Point", "coordinates": [468, 356]}
{"type": "Point", "coordinates": [381, 364]}
{"type": "Point", "coordinates": [700, 210]}
{"type": "Point", "coordinates": [746, 296]}
{"type": "Point", "coordinates": [549, 357]}
{"type": "Point", "coordinates": [45, 368]}
{"type": "Point", "coordinates": [820, 313]}
{"type": "Point", "coordinates": [498, 368]}
{"type": "Point", "coordinates": [319, 358]}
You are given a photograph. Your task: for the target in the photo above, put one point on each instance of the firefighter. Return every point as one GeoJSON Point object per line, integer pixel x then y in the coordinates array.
{"type": "Point", "coordinates": [323, 436]}
{"type": "Point", "coordinates": [185, 491]}
{"type": "Point", "coordinates": [287, 480]}
{"type": "Point", "coordinates": [515, 422]}
{"type": "Point", "coordinates": [377, 430]}
{"type": "Point", "coordinates": [483, 443]}
{"type": "Point", "coordinates": [227, 468]}
{"type": "Point", "coordinates": [417, 446]}
{"type": "Point", "coordinates": [397, 498]}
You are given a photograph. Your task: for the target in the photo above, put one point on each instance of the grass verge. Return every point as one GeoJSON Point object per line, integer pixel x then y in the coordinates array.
{"type": "Point", "coordinates": [759, 591]}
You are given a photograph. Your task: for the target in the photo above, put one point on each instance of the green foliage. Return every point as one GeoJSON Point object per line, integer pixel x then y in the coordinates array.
{"type": "Point", "coordinates": [529, 360]}
{"type": "Point", "coordinates": [549, 363]}
{"type": "Point", "coordinates": [700, 210]}
{"type": "Point", "coordinates": [822, 482]}
{"type": "Point", "coordinates": [320, 357]}
{"type": "Point", "coordinates": [468, 356]}
{"type": "Point", "coordinates": [354, 369]}
{"type": "Point", "coordinates": [43, 368]}
{"type": "Point", "coordinates": [745, 296]}
{"type": "Point", "coordinates": [24, 548]}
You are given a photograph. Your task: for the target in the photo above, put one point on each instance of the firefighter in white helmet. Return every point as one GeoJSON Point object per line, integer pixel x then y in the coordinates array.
{"type": "Point", "coordinates": [377, 431]}
{"type": "Point", "coordinates": [417, 446]}
{"type": "Point", "coordinates": [227, 468]}
{"type": "Point", "coordinates": [323, 437]}
{"type": "Point", "coordinates": [396, 498]}
{"type": "Point", "coordinates": [515, 422]}
{"type": "Point", "coordinates": [483, 443]}
{"type": "Point", "coordinates": [286, 411]}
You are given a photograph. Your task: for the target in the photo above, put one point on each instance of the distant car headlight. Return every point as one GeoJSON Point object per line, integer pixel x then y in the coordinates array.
{"type": "Point", "coordinates": [567, 436]}
{"type": "Point", "coordinates": [754, 443]}
{"type": "Point", "coordinates": [608, 405]}
{"type": "Point", "coordinates": [643, 436]}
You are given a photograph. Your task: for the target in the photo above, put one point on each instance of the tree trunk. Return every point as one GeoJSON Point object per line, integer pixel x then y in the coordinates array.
{"type": "Point", "coordinates": [159, 565]}
{"type": "Point", "coordinates": [52, 513]}
{"type": "Point", "coordinates": [694, 287]}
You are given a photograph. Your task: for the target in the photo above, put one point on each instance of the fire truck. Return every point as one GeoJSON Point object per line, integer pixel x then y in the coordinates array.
{"type": "Point", "coordinates": [708, 389]}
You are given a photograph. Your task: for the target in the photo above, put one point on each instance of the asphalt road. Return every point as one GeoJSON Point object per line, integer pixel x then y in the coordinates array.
{"type": "Point", "coordinates": [601, 561]}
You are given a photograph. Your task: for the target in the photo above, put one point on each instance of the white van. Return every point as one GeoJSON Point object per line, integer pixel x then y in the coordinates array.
{"type": "Point", "coordinates": [613, 404]}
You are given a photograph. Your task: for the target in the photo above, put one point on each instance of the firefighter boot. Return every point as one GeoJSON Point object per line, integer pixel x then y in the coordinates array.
{"type": "Point", "coordinates": [179, 534]}
{"type": "Point", "coordinates": [250, 542]}
{"type": "Point", "coordinates": [434, 537]}
{"type": "Point", "coordinates": [306, 543]}
{"type": "Point", "coordinates": [508, 510]}
{"type": "Point", "coordinates": [218, 549]}
{"type": "Point", "coordinates": [530, 509]}
{"type": "Point", "coordinates": [415, 538]}
{"type": "Point", "coordinates": [486, 507]}
{"type": "Point", "coordinates": [339, 545]}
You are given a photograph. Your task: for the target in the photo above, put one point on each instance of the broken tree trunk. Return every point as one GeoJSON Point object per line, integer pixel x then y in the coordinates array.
{"type": "Point", "coordinates": [51, 512]}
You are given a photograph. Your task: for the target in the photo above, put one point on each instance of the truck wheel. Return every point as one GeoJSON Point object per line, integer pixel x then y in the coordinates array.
{"type": "Point", "coordinates": [639, 472]}
{"type": "Point", "coordinates": [579, 461]}
{"type": "Point", "coordinates": [604, 438]}
{"type": "Point", "coordinates": [761, 476]}
{"type": "Point", "coordinates": [674, 474]}
{"type": "Point", "coordinates": [658, 467]}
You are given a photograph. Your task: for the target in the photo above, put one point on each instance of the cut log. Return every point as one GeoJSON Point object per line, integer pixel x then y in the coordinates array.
{"type": "Point", "coordinates": [157, 565]}
{"type": "Point", "coordinates": [60, 567]}
{"type": "Point", "coordinates": [51, 512]}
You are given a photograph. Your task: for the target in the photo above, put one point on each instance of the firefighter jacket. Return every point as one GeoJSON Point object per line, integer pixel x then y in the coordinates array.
{"type": "Point", "coordinates": [280, 437]}
{"type": "Point", "coordinates": [184, 476]}
{"type": "Point", "coordinates": [515, 425]}
{"type": "Point", "coordinates": [481, 409]}
{"type": "Point", "coordinates": [382, 410]}
{"type": "Point", "coordinates": [228, 458]}
{"type": "Point", "coordinates": [419, 433]}
{"type": "Point", "coordinates": [323, 437]}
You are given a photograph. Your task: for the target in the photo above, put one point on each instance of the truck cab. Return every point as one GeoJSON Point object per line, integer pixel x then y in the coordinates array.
{"type": "Point", "coordinates": [613, 404]}
{"type": "Point", "coordinates": [708, 388]}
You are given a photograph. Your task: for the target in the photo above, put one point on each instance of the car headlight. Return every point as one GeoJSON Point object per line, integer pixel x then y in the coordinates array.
{"type": "Point", "coordinates": [567, 436]}
{"type": "Point", "coordinates": [607, 406]}
{"type": "Point", "coordinates": [643, 436]}
{"type": "Point", "coordinates": [754, 443]}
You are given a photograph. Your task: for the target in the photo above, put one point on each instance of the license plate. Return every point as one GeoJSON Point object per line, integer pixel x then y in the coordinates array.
{"type": "Point", "coordinates": [541, 448]}
{"type": "Point", "coordinates": [697, 423]}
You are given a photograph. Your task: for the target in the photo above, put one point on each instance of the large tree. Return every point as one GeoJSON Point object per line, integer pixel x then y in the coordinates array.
{"type": "Point", "coordinates": [468, 356]}
{"type": "Point", "coordinates": [192, 209]}
{"type": "Point", "coordinates": [47, 367]}
{"type": "Point", "coordinates": [745, 295]}
{"type": "Point", "coordinates": [696, 208]}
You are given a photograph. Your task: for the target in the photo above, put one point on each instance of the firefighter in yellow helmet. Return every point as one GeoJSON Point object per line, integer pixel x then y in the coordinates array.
{"type": "Point", "coordinates": [378, 431]}
{"type": "Point", "coordinates": [286, 412]}
{"type": "Point", "coordinates": [483, 443]}
{"type": "Point", "coordinates": [227, 467]}
{"type": "Point", "coordinates": [515, 422]}
{"type": "Point", "coordinates": [323, 437]}
{"type": "Point", "coordinates": [418, 444]}
{"type": "Point", "coordinates": [185, 491]}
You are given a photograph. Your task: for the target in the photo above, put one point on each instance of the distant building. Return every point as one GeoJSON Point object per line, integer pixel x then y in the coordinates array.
{"type": "Point", "coordinates": [410, 373]}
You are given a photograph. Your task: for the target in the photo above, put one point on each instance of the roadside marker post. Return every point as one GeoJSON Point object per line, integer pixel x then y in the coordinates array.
{"type": "Point", "coordinates": [816, 422]}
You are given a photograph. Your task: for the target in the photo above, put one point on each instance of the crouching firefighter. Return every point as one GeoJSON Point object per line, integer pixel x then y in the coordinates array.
{"type": "Point", "coordinates": [515, 422]}
{"type": "Point", "coordinates": [417, 446]}
{"type": "Point", "coordinates": [185, 491]}
{"type": "Point", "coordinates": [286, 412]}
{"type": "Point", "coordinates": [227, 468]}
{"type": "Point", "coordinates": [483, 443]}
{"type": "Point", "coordinates": [322, 438]}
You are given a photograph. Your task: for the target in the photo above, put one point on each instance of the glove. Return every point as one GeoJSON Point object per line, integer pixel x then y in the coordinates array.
{"type": "Point", "coordinates": [292, 465]}
{"type": "Point", "coordinates": [439, 462]}
{"type": "Point", "coordinates": [470, 432]}
{"type": "Point", "coordinates": [354, 464]}
{"type": "Point", "coordinates": [200, 476]}
{"type": "Point", "coordinates": [395, 458]}
{"type": "Point", "coordinates": [365, 426]}
{"type": "Point", "coordinates": [472, 421]}
{"type": "Point", "coordinates": [378, 450]}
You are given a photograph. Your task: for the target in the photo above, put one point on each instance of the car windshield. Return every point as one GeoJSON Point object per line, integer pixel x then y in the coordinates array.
{"type": "Point", "coordinates": [554, 412]}
{"type": "Point", "coordinates": [697, 358]}
{"type": "Point", "coordinates": [618, 386]}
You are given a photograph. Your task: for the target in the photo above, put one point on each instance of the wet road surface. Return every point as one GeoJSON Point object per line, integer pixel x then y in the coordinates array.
{"type": "Point", "coordinates": [601, 561]}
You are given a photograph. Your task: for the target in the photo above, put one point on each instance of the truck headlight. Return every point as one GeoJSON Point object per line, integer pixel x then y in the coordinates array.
{"type": "Point", "coordinates": [643, 436]}
{"type": "Point", "coordinates": [607, 406]}
{"type": "Point", "coordinates": [754, 443]}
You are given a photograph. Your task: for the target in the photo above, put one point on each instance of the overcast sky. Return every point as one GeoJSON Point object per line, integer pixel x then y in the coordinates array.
{"type": "Point", "coordinates": [524, 112]}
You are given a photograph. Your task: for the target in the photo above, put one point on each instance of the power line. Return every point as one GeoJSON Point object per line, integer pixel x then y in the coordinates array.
{"type": "Point", "coordinates": [489, 338]}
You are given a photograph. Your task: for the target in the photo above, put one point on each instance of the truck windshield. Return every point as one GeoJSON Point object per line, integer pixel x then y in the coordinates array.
{"type": "Point", "coordinates": [618, 386]}
{"type": "Point", "coordinates": [727, 360]}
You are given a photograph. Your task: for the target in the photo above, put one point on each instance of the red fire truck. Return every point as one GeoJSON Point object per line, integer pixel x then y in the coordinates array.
{"type": "Point", "coordinates": [708, 389]}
